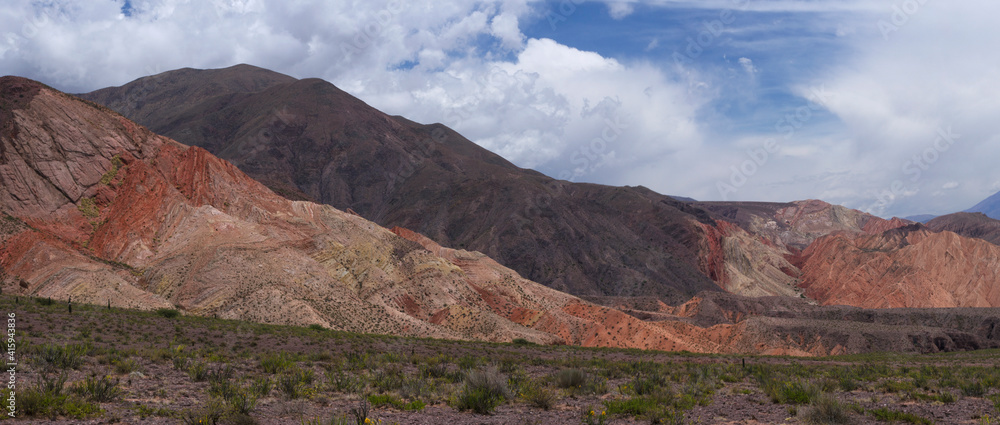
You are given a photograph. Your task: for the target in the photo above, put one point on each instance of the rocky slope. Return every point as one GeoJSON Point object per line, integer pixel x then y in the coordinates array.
{"type": "Point", "coordinates": [309, 140]}
{"type": "Point", "coordinates": [970, 225]}
{"type": "Point", "coordinates": [793, 226]}
{"type": "Point", "coordinates": [783, 325]}
{"type": "Point", "coordinates": [100, 209]}
{"type": "Point", "coordinates": [909, 266]}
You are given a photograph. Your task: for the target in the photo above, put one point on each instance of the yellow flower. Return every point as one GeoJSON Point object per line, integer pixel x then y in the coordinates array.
{"type": "Point", "coordinates": [602, 413]}
{"type": "Point", "coordinates": [368, 421]}
{"type": "Point", "coordinates": [591, 413]}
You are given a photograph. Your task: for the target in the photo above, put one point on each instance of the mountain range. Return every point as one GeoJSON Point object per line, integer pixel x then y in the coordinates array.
{"type": "Point", "coordinates": [323, 210]}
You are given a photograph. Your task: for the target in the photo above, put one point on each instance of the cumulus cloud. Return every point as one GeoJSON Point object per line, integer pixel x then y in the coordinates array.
{"type": "Point", "coordinates": [602, 116]}
{"type": "Point", "coordinates": [904, 89]}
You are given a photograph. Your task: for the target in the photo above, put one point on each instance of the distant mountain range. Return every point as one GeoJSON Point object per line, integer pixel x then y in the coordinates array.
{"type": "Point", "coordinates": [921, 218]}
{"type": "Point", "coordinates": [99, 208]}
{"type": "Point", "coordinates": [989, 206]}
{"type": "Point", "coordinates": [306, 139]}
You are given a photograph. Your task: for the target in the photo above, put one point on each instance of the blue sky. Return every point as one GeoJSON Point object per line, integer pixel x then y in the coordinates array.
{"type": "Point", "coordinates": [882, 105]}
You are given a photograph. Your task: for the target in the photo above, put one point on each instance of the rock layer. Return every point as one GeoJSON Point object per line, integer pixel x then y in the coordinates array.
{"type": "Point", "coordinates": [102, 210]}
{"type": "Point", "coordinates": [905, 267]}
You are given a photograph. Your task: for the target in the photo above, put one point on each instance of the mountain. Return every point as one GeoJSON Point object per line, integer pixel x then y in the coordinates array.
{"type": "Point", "coordinates": [910, 266]}
{"type": "Point", "coordinates": [306, 139]}
{"type": "Point", "coordinates": [971, 225]}
{"type": "Point", "coordinates": [793, 226]}
{"type": "Point", "coordinates": [99, 209]}
{"type": "Point", "coordinates": [989, 206]}
{"type": "Point", "coordinates": [920, 218]}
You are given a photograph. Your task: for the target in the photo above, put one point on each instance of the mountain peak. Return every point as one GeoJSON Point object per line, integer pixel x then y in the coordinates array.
{"type": "Point", "coordinates": [989, 206]}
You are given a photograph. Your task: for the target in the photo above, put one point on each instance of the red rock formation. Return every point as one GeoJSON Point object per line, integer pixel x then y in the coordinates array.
{"type": "Point", "coordinates": [905, 267]}
{"type": "Point", "coordinates": [102, 209]}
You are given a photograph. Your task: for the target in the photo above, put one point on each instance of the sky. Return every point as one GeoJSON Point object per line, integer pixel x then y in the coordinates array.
{"type": "Point", "coordinates": [887, 106]}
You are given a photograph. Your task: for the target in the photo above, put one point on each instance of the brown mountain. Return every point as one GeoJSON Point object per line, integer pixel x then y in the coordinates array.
{"type": "Point", "coordinates": [972, 225]}
{"type": "Point", "coordinates": [307, 139]}
{"type": "Point", "coordinates": [793, 226]}
{"type": "Point", "coordinates": [100, 209]}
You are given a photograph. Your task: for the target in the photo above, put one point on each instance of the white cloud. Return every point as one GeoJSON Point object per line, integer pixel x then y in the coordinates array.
{"type": "Point", "coordinates": [620, 9]}
{"type": "Point", "coordinates": [577, 113]}
{"type": "Point", "coordinates": [505, 27]}
{"type": "Point", "coordinates": [936, 71]}
{"type": "Point", "coordinates": [747, 65]}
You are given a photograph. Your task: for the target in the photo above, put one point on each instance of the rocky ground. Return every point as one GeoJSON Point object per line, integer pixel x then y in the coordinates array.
{"type": "Point", "coordinates": [123, 366]}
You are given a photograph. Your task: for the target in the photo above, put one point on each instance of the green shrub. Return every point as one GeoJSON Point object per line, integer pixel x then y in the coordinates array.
{"type": "Point", "coordinates": [116, 163]}
{"type": "Point", "coordinates": [973, 389]}
{"type": "Point", "coordinates": [224, 389]}
{"type": "Point", "coordinates": [55, 357]}
{"type": "Point", "coordinates": [468, 362]}
{"type": "Point", "coordinates": [242, 401]}
{"type": "Point", "coordinates": [88, 208]}
{"type": "Point", "coordinates": [167, 312]}
{"type": "Point", "coordinates": [379, 400]}
{"type": "Point", "coordinates": [220, 374]}
{"type": "Point", "coordinates": [570, 378]}
{"type": "Point", "coordinates": [35, 403]}
{"type": "Point", "coordinates": [198, 371]}
{"type": "Point", "coordinates": [180, 362]}
{"type": "Point", "coordinates": [126, 366]}
{"type": "Point", "coordinates": [435, 367]}
{"type": "Point", "coordinates": [894, 386]}
{"type": "Point", "coordinates": [276, 363]}
{"type": "Point", "coordinates": [479, 400]}
{"type": "Point", "coordinates": [388, 379]}
{"type": "Point", "coordinates": [101, 389]}
{"type": "Point", "coordinates": [847, 383]}
{"type": "Point", "coordinates": [787, 392]}
{"type": "Point", "coordinates": [539, 396]}
{"type": "Point", "coordinates": [522, 341]}
{"type": "Point", "coordinates": [210, 414]}
{"type": "Point", "coordinates": [826, 410]}
{"type": "Point", "coordinates": [885, 415]}
{"type": "Point", "coordinates": [484, 390]}
{"type": "Point", "coordinates": [293, 382]}
{"type": "Point", "coordinates": [261, 386]}
{"type": "Point", "coordinates": [341, 381]}
{"type": "Point", "coordinates": [317, 327]}
{"type": "Point", "coordinates": [796, 393]}
{"type": "Point", "coordinates": [636, 406]}
{"type": "Point", "coordinates": [51, 383]}
{"type": "Point", "coordinates": [648, 385]}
